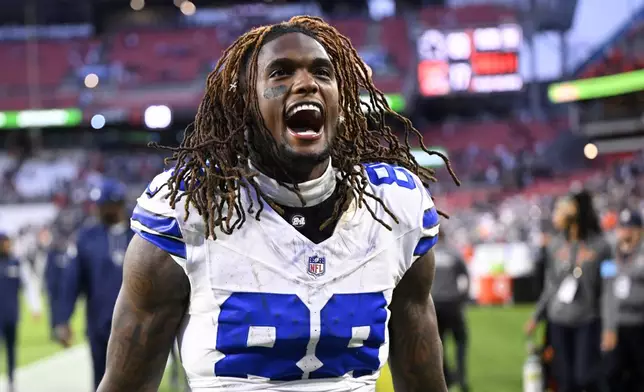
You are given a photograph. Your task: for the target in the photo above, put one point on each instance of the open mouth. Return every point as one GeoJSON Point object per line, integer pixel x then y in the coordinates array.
{"type": "Point", "coordinates": [305, 120]}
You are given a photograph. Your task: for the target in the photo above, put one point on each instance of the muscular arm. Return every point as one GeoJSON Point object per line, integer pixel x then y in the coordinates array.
{"type": "Point", "coordinates": [149, 309]}
{"type": "Point", "coordinates": [416, 352]}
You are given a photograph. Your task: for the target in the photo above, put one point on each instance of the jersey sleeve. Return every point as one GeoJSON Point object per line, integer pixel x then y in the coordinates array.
{"type": "Point", "coordinates": [428, 226]}
{"type": "Point", "coordinates": [423, 229]}
{"type": "Point", "coordinates": [154, 220]}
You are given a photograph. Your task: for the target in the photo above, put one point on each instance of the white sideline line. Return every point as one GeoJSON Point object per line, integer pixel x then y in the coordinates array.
{"type": "Point", "coordinates": [67, 371]}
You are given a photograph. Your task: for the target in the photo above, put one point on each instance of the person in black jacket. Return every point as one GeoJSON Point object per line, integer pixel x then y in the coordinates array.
{"type": "Point", "coordinates": [57, 259]}
{"type": "Point", "coordinates": [450, 293]}
{"type": "Point", "coordinates": [12, 277]}
{"type": "Point", "coordinates": [95, 270]}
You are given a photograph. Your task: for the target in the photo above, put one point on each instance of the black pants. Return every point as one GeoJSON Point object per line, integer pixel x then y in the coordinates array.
{"type": "Point", "coordinates": [577, 360]}
{"type": "Point", "coordinates": [452, 320]}
{"type": "Point", "coordinates": [98, 345]}
{"type": "Point", "coordinates": [625, 365]}
{"type": "Point", "coordinates": [8, 330]}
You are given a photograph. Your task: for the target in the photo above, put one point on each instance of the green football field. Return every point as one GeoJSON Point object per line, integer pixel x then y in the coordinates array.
{"type": "Point", "coordinates": [495, 361]}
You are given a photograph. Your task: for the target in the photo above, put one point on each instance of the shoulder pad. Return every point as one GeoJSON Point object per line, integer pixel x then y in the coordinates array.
{"type": "Point", "coordinates": [404, 194]}
{"type": "Point", "coordinates": [156, 197]}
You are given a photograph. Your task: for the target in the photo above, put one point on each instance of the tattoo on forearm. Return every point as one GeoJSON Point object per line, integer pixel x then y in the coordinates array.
{"type": "Point", "coordinates": [146, 320]}
{"type": "Point", "coordinates": [416, 348]}
{"type": "Point", "coordinates": [420, 365]}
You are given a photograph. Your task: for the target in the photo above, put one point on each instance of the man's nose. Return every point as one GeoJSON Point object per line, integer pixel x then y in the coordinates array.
{"type": "Point", "coordinates": [305, 84]}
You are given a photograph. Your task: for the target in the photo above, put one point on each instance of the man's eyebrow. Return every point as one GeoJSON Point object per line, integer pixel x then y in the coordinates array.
{"type": "Point", "coordinates": [281, 61]}
{"type": "Point", "coordinates": [322, 62]}
{"type": "Point", "coordinates": [285, 61]}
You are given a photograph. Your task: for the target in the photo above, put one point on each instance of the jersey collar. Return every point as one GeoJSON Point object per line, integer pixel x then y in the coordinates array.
{"type": "Point", "coordinates": [313, 192]}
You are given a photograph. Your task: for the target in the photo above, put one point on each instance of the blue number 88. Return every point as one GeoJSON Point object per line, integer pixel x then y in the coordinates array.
{"type": "Point", "coordinates": [352, 330]}
{"type": "Point", "coordinates": [383, 173]}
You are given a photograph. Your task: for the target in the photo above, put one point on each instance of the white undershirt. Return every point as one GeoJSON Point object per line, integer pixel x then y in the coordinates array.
{"type": "Point", "coordinates": [313, 192]}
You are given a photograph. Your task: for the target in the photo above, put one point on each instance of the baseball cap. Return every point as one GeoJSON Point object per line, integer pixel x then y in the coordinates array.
{"type": "Point", "coordinates": [630, 218]}
{"type": "Point", "coordinates": [108, 190]}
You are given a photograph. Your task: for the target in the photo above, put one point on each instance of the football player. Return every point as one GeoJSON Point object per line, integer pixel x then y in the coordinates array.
{"type": "Point", "coordinates": [95, 269]}
{"type": "Point", "coordinates": [289, 249]}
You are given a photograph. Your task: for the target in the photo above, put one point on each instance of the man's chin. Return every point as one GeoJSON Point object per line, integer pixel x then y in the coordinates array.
{"type": "Point", "coordinates": [303, 157]}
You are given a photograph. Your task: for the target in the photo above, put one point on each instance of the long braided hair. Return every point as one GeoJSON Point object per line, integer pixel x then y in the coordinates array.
{"type": "Point", "coordinates": [211, 163]}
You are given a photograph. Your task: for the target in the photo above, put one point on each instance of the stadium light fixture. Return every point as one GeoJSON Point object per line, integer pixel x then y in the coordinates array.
{"type": "Point", "coordinates": [591, 151]}
{"type": "Point", "coordinates": [137, 5]}
{"type": "Point", "coordinates": [188, 8]}
{"type": "Point", "coordinates": [91, 80]}
{"type": "Point", "coordinates": [97, 121]}
{"type": "Point", "coordinates": [157, 117]}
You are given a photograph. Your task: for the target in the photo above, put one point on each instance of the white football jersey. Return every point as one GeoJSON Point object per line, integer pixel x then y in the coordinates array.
{"type": "Point", "coordinates": [272, 311]}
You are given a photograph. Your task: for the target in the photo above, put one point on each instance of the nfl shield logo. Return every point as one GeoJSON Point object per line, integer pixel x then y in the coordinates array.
{"type": "Point", "coordinates": [317, 265]}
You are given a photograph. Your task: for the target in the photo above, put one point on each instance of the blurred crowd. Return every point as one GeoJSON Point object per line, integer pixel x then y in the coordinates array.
{"type": "Point", "coordinates": [66, 177]}
{"type": "Point", "coordinates": [525, 216]}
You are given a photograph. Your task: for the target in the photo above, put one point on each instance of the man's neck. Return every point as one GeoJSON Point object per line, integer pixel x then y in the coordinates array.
{"type": "Point", "coordinates": [310, 192]}
{"type": "Point", "coordinates": [294, 174]}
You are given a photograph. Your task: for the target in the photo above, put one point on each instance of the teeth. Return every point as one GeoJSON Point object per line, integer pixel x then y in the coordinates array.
{"type": "Point", "coordinates": [303, 106]}
{"type": "Point", "coordinates": [307, 133]}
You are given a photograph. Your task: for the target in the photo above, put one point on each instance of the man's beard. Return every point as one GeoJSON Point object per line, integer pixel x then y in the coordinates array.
{"type": "Point", "coordinates": [281, 158]}
{"type": "Point", "coordinates": [292, 160]}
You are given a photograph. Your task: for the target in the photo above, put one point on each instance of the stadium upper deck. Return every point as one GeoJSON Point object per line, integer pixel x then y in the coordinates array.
{"type": "Point", "coordinates": [165, 58]}
{"type": "Point", "coordinates": [621, 53]}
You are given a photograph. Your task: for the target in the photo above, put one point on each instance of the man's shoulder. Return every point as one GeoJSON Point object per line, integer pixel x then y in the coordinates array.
{"type": "Point", "coordinates": [156, 197]}
{"type": "Point", "coordinates": [159, 186]}
{"type": "Point", "coordinates": [158, 209]}
{"type": "Point", "coordinates": [400, 190]}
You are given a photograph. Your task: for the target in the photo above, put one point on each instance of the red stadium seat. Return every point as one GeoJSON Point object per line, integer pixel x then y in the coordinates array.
{"type": "Point", "coordinates": [157, 57]}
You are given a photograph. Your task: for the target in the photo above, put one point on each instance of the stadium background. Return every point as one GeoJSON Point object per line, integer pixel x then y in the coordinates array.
{"type": "Point", "coordinates": [85, 85]}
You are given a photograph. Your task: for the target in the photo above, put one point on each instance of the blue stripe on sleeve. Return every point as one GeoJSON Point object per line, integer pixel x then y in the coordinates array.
{"type": "Point", "coordinates": [608, 269]}
{"type": "Point", "coordinates": [161, 224]}
{"type": "Point", "coordinates": [170, 245]}
{"type": "Point", "coordinates": [430, 218]}
{"type": "Point", "coordinates": [424, 245]}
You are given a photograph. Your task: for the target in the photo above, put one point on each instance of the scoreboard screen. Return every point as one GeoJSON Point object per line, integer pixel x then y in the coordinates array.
{"type": "Point", "coordinates": [478, 60]}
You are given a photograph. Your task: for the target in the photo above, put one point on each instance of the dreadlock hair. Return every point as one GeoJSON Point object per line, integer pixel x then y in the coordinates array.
{"type": "Point", "coordinates": [212, 161]}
